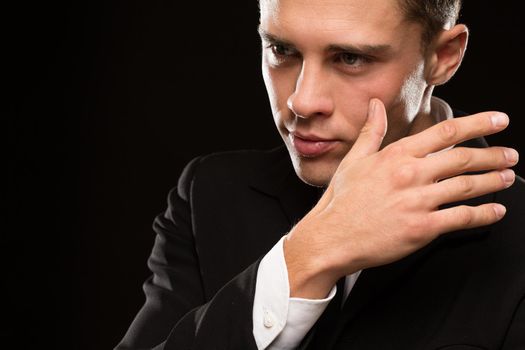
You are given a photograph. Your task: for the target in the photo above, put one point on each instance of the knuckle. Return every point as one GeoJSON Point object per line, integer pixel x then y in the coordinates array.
{"type": "Point", "coordinates": [431, 224]}
{"type": "Point", "coordinates": [417, 230]}
{"type": "Point", "coordinates": [497, 180]}
{"type": "Point", "coordinates": [466, 184]}
{"type": "Point", "coordinates": [490, 214]}
{"type": "Point", "coordinates": [407, 202]}
{"type": "Point", "coordinates": [448, 131]}
{"type": "Point", "coordinates": [418, 199]}
{"type": "Point", "coordinates": [494, 157]}
{"type": "Point", "coordinates": [413, 231]}
{"type": "Point", "coordinates": [487, 213]}
{"type": "Point", "coordinates": [465, 215]}
{"type": "Point", "coordinates": [463, 157]}
{"type": "Point", "coordinates": [404, 175]}
{"type": "Point", "coordinates": [394, 149]}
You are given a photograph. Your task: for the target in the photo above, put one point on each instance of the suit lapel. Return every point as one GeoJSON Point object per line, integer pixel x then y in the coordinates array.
{"type": "Point", "coordinates": [372, 283]}
{"type": "Point", "coordinates": [298, 198]}
{"type": "Point", "coordinates": [278, 180]}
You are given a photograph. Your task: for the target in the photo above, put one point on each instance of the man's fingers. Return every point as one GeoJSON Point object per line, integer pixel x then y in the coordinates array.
{"type": "Point", "coordinates": [460, 160]}
{"type": "Point", "coordinates": [468, 186]}
{"type": "Point", "coordinates": [464, 217]}
{"type": "Point", "coordinates": [454, 131]}
{"type": "Point", "coordinates": [372, 134]}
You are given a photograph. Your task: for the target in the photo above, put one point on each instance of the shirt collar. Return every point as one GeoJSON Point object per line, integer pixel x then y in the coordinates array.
{"type": "Point", "coordinates": [440, 109]}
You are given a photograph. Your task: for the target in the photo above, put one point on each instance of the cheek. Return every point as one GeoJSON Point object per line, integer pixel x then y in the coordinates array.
{"type": "Point", "coordinates": [401, 96]}
{"type": "Point", "coordinates": [280, 85]}
{"type": "Point", "coordinates": [353, 96]}
{"type": "Point", "coordinates": [412, 91]}
{"type": "Point", "coordinates": [401, 92]}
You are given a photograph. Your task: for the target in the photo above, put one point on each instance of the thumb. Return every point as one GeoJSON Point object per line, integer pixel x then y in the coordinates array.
{"type": "Point", "coordinates": [372, 134]}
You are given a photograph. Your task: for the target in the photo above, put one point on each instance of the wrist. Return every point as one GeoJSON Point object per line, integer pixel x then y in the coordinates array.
{"type": "Point", "coordinates": [310, 274]}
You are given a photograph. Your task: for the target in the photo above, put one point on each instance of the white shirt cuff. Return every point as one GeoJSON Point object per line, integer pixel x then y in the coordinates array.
{"type": "Point", "coordinates": [281, 322]}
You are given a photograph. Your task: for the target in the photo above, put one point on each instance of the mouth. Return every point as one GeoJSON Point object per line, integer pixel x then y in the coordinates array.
{"type": "Point", "coordinates": [311, 146]}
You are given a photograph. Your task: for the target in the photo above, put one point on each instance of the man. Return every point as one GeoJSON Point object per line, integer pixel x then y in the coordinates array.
{"type": "Point", "coordinates": [393, 226]}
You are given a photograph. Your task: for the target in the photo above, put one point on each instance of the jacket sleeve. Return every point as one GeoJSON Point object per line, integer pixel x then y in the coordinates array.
{"type": "Point", "coordinates": [176, 314]}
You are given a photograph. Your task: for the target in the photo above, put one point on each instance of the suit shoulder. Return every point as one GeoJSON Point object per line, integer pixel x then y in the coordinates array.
{"type": "Point", "coordinates": [238, 165]}
{"type": "Point", "coordinates": [229, 166]}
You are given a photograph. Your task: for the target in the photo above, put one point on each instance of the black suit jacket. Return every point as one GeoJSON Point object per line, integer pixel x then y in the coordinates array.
{"type": "Point", "coordinates": [463, 291]}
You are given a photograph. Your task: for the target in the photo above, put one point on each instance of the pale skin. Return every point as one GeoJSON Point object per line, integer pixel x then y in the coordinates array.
{"type": "Point", "coordinates": [350, 86]}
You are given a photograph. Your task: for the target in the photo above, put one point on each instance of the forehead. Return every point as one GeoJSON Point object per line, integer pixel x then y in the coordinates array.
{"type": "Point", "coordinates": [355, 20]}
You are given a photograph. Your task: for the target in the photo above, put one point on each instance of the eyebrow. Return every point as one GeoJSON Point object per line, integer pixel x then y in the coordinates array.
{"type": "Point", "coordinates": [366, 49]}
{"type": "Point", "coordinates": [273, 38]}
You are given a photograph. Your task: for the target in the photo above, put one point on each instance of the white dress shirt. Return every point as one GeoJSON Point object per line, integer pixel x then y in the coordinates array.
{"type": "Point", "coordinates": [281, 322]}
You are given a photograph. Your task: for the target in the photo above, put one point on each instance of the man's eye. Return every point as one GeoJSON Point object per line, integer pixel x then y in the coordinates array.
{"type": "Point", "coordinates": [352, 59]}
{"type": "Point", "coordinates": [281, 50]}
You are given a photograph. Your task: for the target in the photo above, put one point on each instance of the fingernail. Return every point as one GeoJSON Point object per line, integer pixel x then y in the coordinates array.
{"type": "Point", "coordinates": [500, 210]}
{"type": "Point", "coordinates": [511, 155]}
{"type": "Point", "coordinates": [499, 120]}
{"type": "Point", "coordinates": [508, 176]}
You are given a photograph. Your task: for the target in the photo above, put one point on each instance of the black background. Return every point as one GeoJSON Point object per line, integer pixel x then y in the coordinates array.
{"type": "Point", "coordinates": [105, 103]}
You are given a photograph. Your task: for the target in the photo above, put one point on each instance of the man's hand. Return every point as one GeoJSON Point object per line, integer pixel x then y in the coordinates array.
{"type": "Point", "coordinates": [382, 205]}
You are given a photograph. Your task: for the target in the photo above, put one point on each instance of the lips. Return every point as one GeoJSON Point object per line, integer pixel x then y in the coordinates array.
{"type": "Point", "coordinates": [311, 146]}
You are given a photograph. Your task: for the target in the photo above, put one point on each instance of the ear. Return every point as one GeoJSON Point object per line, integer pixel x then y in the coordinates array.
{"type": "Point", "coordinates": [446, 54]}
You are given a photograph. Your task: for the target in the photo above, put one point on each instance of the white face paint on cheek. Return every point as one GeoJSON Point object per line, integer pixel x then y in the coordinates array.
{"type": "Point", "coordinates": [412, 92]}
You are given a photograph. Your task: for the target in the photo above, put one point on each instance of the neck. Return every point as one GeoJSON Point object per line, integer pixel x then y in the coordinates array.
{"type": "Point", "coordinates": [424, 119]}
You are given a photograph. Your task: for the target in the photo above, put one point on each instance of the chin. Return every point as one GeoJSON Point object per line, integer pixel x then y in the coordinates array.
{"type": "Point", "coordinates": [314, 172]}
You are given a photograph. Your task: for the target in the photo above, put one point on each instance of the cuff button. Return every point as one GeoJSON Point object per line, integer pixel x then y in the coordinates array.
{"type": "Point", "coordinates": [268, 319]}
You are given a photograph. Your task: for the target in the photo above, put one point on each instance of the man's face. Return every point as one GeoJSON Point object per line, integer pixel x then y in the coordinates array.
{"type": "Point", "coordinates": [322, 63]}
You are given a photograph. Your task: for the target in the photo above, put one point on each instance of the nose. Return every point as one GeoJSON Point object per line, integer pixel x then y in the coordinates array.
{"type": "Point", "coordinates": [311, 96]}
